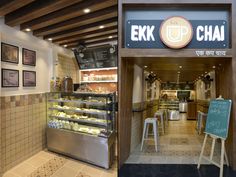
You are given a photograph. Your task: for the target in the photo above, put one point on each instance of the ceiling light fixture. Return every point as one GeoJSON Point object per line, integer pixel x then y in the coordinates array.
{"type": "Point", "coordinates": [145, 66]}
{"type": "Point", "coordinates": [110, 37]}
{"type": "Point", "coordinates": [180, 67]}
{"type": "Point", "coordinates": [65, 45]}
{"type": "Point", "coordinates": [101, 27]}
{"type": "Point", "coordinates": [50, 39]}
{"type": "Point", "coordinates": [87, 10]}
{"type": "Point", "coordinates": [28, 29]}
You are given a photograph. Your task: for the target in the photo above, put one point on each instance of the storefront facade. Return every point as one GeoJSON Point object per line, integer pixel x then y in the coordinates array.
{"type": "Point", "coordinates": [142, 17]}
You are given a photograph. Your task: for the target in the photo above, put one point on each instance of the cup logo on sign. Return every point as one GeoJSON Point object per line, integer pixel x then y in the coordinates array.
{"type": "Point", "coordinates": [176, 32]}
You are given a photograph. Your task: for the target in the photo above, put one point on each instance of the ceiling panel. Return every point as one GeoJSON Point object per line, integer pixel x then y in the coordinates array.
{"type": "Point", "coordinates": [64, 21]}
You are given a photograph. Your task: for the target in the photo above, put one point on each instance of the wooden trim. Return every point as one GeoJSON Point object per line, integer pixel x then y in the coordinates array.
{"type": "Point", "coordinates": [81, 29]}
{"type": "Point", "coordinates": [126, 52]}
{"type": "Point", "coordinates": [82, 35]}
{"type": "Point", "coordinates": [10, 6]}
{"type": "Point", "coordinates": [176, 2]}
{"type": "Point", "coordinates": [78, 21]}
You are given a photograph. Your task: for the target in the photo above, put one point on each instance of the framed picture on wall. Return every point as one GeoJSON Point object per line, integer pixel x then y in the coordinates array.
{"type": "Point", "coordinates": [28, 57]}
{"type": "Point", "coordinates": [10, 53]}
{"type": "Point", "coordinates": [29, 78]}
{"type": "Point", "coordinates": [10, 78]}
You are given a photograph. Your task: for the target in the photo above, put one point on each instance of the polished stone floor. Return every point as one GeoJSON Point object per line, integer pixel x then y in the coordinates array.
{"type": "Point", "coordinates": [179, 145]}
{"type": "Point", "coordinates": [172, 170]}
{"type": "Point", "coordinates": [47, 164]}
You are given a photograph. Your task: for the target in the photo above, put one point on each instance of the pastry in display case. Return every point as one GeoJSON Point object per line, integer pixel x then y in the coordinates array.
{"type": "Point", "coordinates": [86, 121]}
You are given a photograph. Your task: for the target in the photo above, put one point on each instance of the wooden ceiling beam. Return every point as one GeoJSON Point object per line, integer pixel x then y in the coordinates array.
{"type": "Point", "coordinates": [67, 13]}
{"type": "Point", "coordinates": [93, 43]}
{"type": "Point", "coordinates": [90, 34]}
{"type": "Point", "coordinates": [83, 29]}
{"type": "Point", "coordinates": [35, 10]}
{"type": "Point", "coordinates": [78, 21]}
{"type": "Point", "coordinates": [8, 6]}
{"type": "Point", "coordinates": [92, 39]}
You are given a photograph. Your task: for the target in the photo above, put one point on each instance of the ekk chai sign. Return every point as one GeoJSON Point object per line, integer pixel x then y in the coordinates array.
{"type": "Point", "coordinates": [176, 32]}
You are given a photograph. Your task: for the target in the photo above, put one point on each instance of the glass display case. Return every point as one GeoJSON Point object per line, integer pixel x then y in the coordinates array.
{"type": "Point", "coordinates": [82, 125]}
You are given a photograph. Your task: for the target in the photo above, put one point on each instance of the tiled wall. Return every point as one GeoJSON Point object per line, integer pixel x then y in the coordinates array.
{"type": "Point", "coordinates": [23, 122]}
{"type": "Point", "coordinates": [67, 67]}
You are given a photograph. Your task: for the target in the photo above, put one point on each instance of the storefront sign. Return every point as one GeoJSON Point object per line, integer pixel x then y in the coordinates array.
{"type": "Point", "coordinates": [176, 32]}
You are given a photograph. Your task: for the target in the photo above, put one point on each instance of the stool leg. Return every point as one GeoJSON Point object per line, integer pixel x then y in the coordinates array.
{"type": "Point", "coordinates": [147, 131]}
{"type": "Point", "coordinates": [200, 125]}
{"type": "Point", "coordinates": [144, 132]}
{"type": "Point", "coordinates": [155, 134]}
{"type": "Point", "coordinates": [162, 124]}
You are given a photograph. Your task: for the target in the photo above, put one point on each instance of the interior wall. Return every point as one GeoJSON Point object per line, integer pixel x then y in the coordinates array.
{"type": "Point", "coordinates": [201, 90]}
{"type": "Point", "coordinates": [66, 66]}
{"type": "Point", "coordinates": [23, 109]}
{"type": "Point", "coordinates": [136, 124]}
{"type": "Point", "coordinates": [46, 55]}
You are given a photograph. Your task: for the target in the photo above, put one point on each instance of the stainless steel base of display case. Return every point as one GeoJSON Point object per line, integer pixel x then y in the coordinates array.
{"type": "Point", "coordinates": [96, 150]}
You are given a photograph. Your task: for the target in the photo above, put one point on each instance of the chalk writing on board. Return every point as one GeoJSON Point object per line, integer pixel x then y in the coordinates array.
{"type": "Point", "coordinates": [218, 118]}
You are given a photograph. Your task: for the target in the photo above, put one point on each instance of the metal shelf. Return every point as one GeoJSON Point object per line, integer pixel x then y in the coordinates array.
{"type": "Point", "coordinates": [103, 113]}
{"type": "Point", "coordinates": [103, 81]}
{"type": "Point", "coordinates": [78, 101]}
{"type": "Point", "coordinates": [80, 120]}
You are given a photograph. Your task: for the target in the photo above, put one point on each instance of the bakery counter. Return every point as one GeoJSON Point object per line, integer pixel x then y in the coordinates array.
{"type": "Point", "coordinates": [93, 149]}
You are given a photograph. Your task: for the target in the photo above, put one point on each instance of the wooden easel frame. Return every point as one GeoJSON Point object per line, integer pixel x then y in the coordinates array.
{"type": "Point", "coordinates": [210, 159]}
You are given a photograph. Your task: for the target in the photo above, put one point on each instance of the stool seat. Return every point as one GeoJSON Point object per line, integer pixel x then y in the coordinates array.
{"type": "Point", "coordinates": [154, 122]}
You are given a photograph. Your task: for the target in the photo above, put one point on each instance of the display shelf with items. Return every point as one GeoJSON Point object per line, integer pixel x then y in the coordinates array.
{"type": "Point", "coordinates": [99, 75]}
{"type": "Point", "coordinates": [87, 117]}
{"type": "Point", "coordinates": [170, 105]}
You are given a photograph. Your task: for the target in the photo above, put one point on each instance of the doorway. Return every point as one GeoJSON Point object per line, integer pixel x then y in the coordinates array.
{"type": "Point", "coordinates": [202, 78]}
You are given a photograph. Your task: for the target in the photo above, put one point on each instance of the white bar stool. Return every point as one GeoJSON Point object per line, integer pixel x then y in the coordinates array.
{"type": "Point", "coordinates": [160, 114]}
{"type": "Point", "coordinates": [200, 116]}
{"type": "Point", "coordinates": [152, 121]}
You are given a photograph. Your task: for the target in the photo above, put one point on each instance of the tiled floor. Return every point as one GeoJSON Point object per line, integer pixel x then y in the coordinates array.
{"type": "Point", "coordinates": [47, 164]}
{"type": "Point", "coordinates": [179, 145]}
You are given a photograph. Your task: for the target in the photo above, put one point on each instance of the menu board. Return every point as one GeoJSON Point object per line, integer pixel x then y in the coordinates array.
{"type": "Point", "coordinates": [97, 57]}
{"type": "Point", "coordinates": [218, 118]}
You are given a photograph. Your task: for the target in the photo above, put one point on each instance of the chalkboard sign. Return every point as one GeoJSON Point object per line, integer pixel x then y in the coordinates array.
{"type": "Point", "coordinates": [218, 118]}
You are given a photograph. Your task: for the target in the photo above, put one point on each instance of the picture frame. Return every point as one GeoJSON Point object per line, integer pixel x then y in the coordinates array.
{"type": "Point", "coordinates": [29, 78]}
{"type": "Point", "coordinates": [9, 53]}
{"type": "Point", "coordinates": [10, 78]}
{"type": "Point", "coordinates": [28, 57]}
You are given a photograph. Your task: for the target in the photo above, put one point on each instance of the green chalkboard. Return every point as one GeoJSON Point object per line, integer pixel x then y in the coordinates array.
{"type": "Point", "coordinates": [218, 118]}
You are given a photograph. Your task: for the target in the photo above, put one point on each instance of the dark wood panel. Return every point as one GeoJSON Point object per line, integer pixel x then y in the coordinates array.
{"type": "Point", "coordinates": [176, 2]}
{"type": "Point", "coordinates": [82, 29]}
{"type": "Point", "coordinates": [191, 110]}
{"type": "Point", "coordinates": [67, 13]}
{"type": "Point", "coordinates": [35, 10]}
{"type": "Point", "coordinates": [92, 39]}
{"type": "Point", "coordinates": [8, 6]}
{"type": "Point", "coordinates": [78, 21]}
{"type": "Point", "coordinates": [87, 34]}
{"type": "Point", "coordinates": [125, 52]}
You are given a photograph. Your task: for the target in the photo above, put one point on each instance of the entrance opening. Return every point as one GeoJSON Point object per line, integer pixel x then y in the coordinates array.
{"type": "Point", "coordinates": [180, 91]}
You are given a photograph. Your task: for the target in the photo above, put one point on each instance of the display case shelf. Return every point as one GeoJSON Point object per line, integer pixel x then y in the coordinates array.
{"type": "Point", "coordinates": [103, 113]}
{"type": "Point", "coordinates": [103, 81]}
{"type": "Point", "coordinates": [90, 125]}
{"type": "Point", "coordinates": [80, 120]}
{"type": "Point", "coordinates": [79, 102]}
